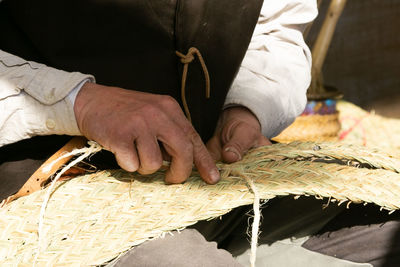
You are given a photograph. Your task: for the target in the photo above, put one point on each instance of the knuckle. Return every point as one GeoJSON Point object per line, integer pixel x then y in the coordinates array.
{"type": "Point", "coordinates": [122, 134]}
{"type": "Point", "coordinates": [137, 125]}
{"type": "Point", "coordinates": [129, 126]}
{"type": "Point", "coordinates": [202, 158]}
{"type": "Point", "coordinates": [187, 149]}
{"type": "Point", "coordinates": [168, 102]}
{"type": "Point", "coordinates": [185, 145]}
{"type": "Point", "coordinates": [190, 132]}
{"type": "Point", "coordinates": [150, 110]}
{"type": "Point", "coordinates": [183, 148]}
{"type": "Point", "coordinates": [195, 143]}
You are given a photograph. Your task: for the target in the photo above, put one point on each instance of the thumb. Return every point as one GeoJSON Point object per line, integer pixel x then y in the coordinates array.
{"type": "Point", "coordinates": [238, 138]}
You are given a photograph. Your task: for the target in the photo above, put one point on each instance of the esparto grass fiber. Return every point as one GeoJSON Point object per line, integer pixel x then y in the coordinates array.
{"type": "Point", "coordinates": [94, 218]}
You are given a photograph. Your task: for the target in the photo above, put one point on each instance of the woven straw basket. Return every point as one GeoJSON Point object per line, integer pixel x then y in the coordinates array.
{"type": "Point", "coordinates": [311, 128]}
{"type": "Point", "coordinates": [352, 125]}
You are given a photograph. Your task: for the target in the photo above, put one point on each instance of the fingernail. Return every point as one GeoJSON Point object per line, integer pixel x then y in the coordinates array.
{"type": "Point", "coordinates": [234, 151]}
{"type": "Point", "coordinates": [215, 176]}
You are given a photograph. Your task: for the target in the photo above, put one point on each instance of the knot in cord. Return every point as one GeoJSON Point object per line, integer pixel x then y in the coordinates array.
{"type": "Point", "coordinates": [186, 59]}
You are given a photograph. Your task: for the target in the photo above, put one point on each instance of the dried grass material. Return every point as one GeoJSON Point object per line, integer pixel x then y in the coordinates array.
{"type": "Point", "coordinates": [92, 219]}
{"type": "Point", "coordinates": [348, 154]}
{"type": "Point", "coordinates": [357, 126]}
{"type": "Point", "coordinates": [366, 128]}
{"type": "Point", "coordinates": [311, 128]}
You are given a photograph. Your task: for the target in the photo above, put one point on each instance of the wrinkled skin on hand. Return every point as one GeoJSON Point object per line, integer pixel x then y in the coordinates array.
{"type": "Point", "coordinates": [140, 127]}
{"type": "Point", "coordinates": [238, 130]}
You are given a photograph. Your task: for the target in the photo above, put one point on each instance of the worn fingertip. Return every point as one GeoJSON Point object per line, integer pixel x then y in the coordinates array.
{"type": "Point", "coordinates": [127, 158]}
{"type": "Point", "coordinates": [214, 177]}
{"type": "Point", "coordinates": [126, 164]}
{"type": "Point", "coordinates": [129, 167]}
{"type": "Point", "coordinates": [146, 172]}
{"type": "Point", "coordinates": [170, 178]}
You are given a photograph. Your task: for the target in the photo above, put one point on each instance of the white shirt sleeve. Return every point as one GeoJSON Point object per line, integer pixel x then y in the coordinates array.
{"type": "Point", "coordinates": [275, 73]}
{"type": "Point", "coordinates": [36, 99]}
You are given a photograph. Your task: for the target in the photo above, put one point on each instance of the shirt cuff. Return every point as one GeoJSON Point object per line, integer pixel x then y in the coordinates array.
{"type": "Point", "coordinates": [69, 116]}
{"type": "Point", "coordinates": [72, 95]}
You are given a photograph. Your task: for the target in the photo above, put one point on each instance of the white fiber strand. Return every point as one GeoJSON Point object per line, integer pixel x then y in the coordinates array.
{"type": "Point", "coordinates": [87, 151]}
{"type": "Point", "coordinates": [256, 222]}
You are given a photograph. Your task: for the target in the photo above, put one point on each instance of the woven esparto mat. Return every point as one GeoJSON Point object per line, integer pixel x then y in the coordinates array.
{"type": "Point", "coordinates": [368, 129]}
{"type": "Point", "coordinates": [94, 218]}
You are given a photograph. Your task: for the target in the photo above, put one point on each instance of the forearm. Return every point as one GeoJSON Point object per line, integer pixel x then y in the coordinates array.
{"type": "Point", "coordinates": [33, 99]}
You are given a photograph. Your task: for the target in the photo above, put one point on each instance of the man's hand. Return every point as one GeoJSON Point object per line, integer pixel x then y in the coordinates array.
{"type": "Point", "coordinates": [238, 131]}
{"type": "Point", "coordinates": [138, 126]}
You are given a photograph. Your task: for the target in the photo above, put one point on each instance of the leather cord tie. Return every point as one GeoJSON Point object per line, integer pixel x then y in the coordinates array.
{"type": "Point", "coordinates": [186, 59]}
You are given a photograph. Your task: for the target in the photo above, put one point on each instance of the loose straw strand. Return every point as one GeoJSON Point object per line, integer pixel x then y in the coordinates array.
{"type": "Point", "coordinates": [94, 148]}
{"type": "Point", "coordinates": [48, 167]}
{"type": "Point", "coordinates": [186, 59]}
{"type": "Point", "coordinates": [256, 222]}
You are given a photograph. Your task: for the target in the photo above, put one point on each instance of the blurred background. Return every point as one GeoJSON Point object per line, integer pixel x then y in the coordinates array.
{"type": "Point", "coordinates": [363, 60]}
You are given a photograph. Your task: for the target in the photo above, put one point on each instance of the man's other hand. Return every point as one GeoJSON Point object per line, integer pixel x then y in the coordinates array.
{"type": "Point", "coordinates": [238, 130]}
{"type": "Point", "coordinates": [139, 128]}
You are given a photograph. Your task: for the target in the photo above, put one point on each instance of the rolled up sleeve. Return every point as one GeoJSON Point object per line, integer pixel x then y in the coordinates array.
{"type": "Point", "coordinates": [33, 99]}
{"type": "Point", "coordinates": [275, 73]}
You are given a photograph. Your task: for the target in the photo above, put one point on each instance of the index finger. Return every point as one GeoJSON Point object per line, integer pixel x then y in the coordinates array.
{"type": "Point", "coordinates": [203, 160]}
{"type": "Point", "coordinates": [201, 157]}
{"type": "Point", "coordinates": [184, 154]}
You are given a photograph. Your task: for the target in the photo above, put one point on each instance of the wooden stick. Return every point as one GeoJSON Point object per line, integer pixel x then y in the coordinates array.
{"type": "Point", "coordinates": [324, 39]}
{"type": "Point", "coordinates": [322, 44]}
{"type": "Point", "coordinates": [39, 177]}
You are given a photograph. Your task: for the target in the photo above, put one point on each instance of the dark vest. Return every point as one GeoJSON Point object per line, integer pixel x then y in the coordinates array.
{"type": "Point", "coordinates": [132, 44]}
